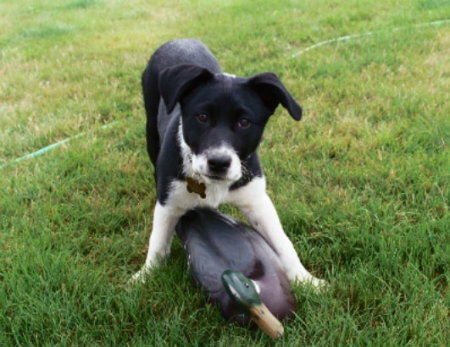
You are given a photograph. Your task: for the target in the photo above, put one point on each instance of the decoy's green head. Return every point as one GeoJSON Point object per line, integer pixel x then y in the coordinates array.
{"type": "Point", "coordinates": [241, 289]}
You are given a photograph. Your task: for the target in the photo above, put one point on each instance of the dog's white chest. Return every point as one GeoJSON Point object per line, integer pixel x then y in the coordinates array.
{"type": "Point", "coordinates": [215, 194]}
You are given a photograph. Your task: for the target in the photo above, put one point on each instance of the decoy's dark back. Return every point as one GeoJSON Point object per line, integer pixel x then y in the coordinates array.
{"type": "Point", "coordinates": [237, 268]}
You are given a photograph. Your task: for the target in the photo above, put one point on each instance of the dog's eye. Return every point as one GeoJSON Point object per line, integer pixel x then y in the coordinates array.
{"type": "Point", "coordinates": [202, 118]}
{"type": "Point", "coordinates": [243, 123]}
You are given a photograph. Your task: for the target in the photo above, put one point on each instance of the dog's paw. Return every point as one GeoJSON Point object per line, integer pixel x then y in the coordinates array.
{"type": "Point", "coordinates": [317, 284]}
{"type": "Point", "coordinates": [139, 277]}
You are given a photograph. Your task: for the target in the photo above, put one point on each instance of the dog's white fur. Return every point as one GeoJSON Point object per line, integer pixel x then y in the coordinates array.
{"type": "Point", "coordinates": [196, 165]}
{"type": "Point", "coordinates": [251, 199]}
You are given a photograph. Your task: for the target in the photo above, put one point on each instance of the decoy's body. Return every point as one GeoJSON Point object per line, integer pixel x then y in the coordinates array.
{"type": "Point", "coordinates": [215, 243]}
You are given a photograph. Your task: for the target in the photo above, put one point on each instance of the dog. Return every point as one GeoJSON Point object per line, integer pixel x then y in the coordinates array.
{"type": "Point", "coordinates": [203, 130]}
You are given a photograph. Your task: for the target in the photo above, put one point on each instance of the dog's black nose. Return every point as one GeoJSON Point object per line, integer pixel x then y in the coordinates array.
{"type": "Point", "coordinates": [219, 163]}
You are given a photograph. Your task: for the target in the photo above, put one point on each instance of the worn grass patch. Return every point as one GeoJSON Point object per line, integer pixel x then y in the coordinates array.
{"type": "Point", "coordinates": [361, 184]}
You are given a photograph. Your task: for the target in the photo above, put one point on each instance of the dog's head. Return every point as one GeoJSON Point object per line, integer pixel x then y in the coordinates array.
{"type": "Point", "coordinates": [223, 116]}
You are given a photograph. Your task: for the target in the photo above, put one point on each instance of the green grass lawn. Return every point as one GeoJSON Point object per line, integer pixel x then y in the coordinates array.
{"type": "Point", "coordinates": [361, 184]}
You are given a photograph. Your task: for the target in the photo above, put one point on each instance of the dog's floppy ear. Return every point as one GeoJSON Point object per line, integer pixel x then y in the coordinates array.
{"type": "Point", "coordinates": [273, 93]}
{"type": "Point", "coordinates": [176, 81]}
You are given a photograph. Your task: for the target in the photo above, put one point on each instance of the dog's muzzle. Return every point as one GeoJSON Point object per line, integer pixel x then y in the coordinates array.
{"type": "Point", "coordinates": [220, 164]}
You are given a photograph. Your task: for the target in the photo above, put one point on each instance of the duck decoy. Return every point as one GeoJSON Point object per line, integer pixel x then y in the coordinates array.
{"type": "Point", "coordinates": [237, 268]}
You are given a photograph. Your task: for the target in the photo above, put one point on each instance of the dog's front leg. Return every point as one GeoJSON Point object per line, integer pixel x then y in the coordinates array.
{"type": "Point", "coordinates": [164, 220]}
{"type": "Point", "coordinates": [257, 206]}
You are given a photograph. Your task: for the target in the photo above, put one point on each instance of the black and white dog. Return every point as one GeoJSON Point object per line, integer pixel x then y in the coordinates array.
{"type": "Point", "coordinates": [203, 129]}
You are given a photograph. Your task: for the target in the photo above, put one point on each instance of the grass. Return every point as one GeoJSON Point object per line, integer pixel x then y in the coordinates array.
{"type": "Point", "coordinates": [361, 184]}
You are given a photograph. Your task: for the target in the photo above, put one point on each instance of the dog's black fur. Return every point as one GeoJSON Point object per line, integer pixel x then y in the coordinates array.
{"type": "Point", "coordinates": [203, 129]}
{"type": "Point", "coordinates": [185, 72]}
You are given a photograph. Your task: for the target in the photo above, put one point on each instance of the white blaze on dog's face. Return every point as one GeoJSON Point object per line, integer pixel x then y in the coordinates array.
{"type": "Point", "coordinates": [220, 163]}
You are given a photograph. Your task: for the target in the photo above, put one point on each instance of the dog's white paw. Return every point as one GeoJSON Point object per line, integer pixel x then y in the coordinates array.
{"type": "Point", "coordinates": [308, 279]}
{"type": "Point", "coordinates": [139, 277]}
{"type": "Point", "coordinates": [318, 284]}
